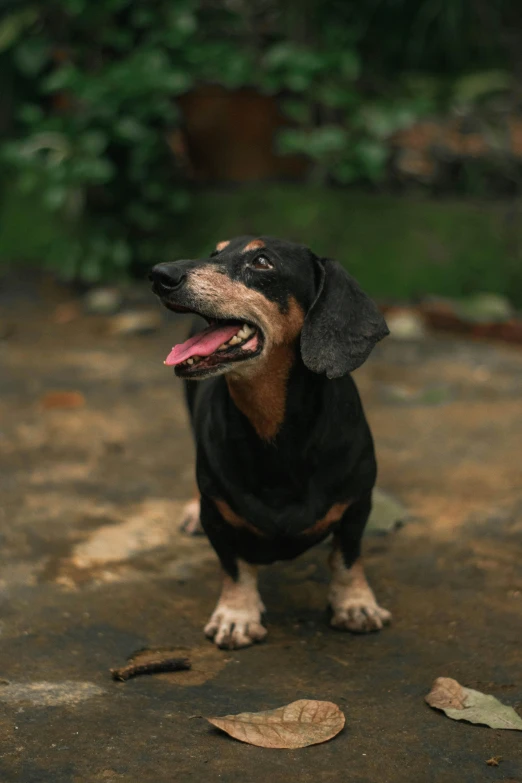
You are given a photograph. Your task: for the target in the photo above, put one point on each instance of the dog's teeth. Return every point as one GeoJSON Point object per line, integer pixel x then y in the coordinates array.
{"type": "Point", "coordinates": [223, 347]}
{"type": "Point", "coordinates": [235, 340]}
{"type": "Point", "coordinates": [245, 331]}
{"type": "Point", "coordinates": [190, 361]}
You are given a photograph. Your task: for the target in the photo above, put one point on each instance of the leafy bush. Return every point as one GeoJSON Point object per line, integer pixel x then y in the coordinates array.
{"type": "Point", "coordinates": [341, 126]}
{"type": "Point", "coordinates": [92, 135]}
{"type": "Point", "coordinates": [95, 136]}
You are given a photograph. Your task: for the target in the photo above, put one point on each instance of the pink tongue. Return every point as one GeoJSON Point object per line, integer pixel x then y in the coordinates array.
{"type": "Point", "coordinates": [202, 344]}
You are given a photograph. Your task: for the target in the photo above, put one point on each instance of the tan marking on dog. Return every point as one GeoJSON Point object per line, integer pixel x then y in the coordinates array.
{"type": "Point", "coordinates": [351, 598]}
{"type": "Point", "coordinates": [234, 519]}
{"type": "Point", "coordinates": [222, 245]}
{"type": "Point", "coordinates": [261, 395]}
{"type": "Point", "coordinates": [236, 620]}
{"type": "Point", "coordinates": [262, 398]}
{"type": "Point", "coordinates": [227, 298]}
{"type": "Point", "coordinates": [255, 244]}
{"type": "Point", "coordinates": [332, 516]}
{"type": "Point", "coordinates": [258, 388]}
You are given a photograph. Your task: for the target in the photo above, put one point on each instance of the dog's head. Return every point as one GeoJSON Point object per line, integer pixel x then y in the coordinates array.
{"type": "Point", "coordinates": [260, 293]}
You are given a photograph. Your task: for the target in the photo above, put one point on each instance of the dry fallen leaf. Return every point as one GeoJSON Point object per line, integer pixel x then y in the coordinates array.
{"type": "Point", "coordinates": [66, 312]}
{"type": "Point", "coordinates": [462, 703]}
{"type": "Point", "coordinates": [494, 761]}
{"type": "Point", "coordinates": [446, 692]}
{"type": "Point", "coordinates": [62, 399]}
{"type": "Point", "coordinates": [297, 725]}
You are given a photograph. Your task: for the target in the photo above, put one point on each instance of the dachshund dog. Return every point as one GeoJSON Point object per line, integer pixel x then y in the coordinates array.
{"type": "Point", "coordinates": [285, 456]}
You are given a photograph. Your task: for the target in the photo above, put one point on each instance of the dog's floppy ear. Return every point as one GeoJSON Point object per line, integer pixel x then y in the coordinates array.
{"type": "Point", "coordinates": [342, 325]}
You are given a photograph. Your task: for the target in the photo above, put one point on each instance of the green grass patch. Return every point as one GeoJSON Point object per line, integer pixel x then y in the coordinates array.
{"type": "Point", "coordinates": [395, 247]}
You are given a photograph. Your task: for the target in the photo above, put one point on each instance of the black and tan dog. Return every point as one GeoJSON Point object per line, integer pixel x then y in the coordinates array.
{"type": "Point", "coordinates": [285, 456]}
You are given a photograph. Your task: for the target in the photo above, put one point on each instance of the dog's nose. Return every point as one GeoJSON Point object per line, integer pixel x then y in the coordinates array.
{"type": "Point", "coordinates": [167, 278]}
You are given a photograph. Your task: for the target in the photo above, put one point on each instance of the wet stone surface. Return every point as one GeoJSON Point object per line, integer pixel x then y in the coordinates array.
{"type": "Point", "coordinates": [93, 567]}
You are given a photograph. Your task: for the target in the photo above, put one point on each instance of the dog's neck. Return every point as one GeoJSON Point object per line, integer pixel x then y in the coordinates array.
{"type": "Point", "coordinates": [263, 397]}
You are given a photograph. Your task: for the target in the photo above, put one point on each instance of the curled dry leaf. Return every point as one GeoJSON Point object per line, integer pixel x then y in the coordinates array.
{"type": "Point", "coordinates": [446, 693]}
{"type": "Point", "coordinates": [297, 725]}
{"type": "Point", "coordinates": [462, 703]}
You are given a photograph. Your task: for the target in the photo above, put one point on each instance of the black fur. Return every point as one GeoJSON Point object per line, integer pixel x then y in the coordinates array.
{"type": "Point", "coordinates": [323, 452]}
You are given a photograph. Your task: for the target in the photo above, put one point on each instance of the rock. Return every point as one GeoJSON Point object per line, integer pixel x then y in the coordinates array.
{"type": "Point", "coordinates": [103, 301]}
{"type": "Point", "coordinates": [405, 325]}
{"type": "Point", "coordinates": [397, 394]}
{"type": "Point", "coordinates": [387, 514]}
{"type": "Point", "coordinates": [135, 322]}
{"type": "Point", "coordinates": [484, 308]}
{"type": "Point", "coordinates": [435, 395]}
{"type": "Point", "coordinates": [49, 694]}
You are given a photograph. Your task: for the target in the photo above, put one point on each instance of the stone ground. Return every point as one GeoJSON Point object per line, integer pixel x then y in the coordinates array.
{"type": "Point", "coordinates": [93, 567]}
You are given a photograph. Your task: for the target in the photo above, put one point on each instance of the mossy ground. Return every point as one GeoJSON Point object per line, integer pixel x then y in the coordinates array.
{"type": "Point", "coordinates": [397, 247]}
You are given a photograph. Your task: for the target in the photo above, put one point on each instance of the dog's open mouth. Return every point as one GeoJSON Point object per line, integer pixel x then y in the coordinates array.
{"type": "Point", "coordinates": [222, 342]}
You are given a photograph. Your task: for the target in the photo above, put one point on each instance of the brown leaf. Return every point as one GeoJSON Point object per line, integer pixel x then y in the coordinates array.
{"type": "Point", "coordinates": [461, 703]}
{"type": "Point", "coordinates": [297, 725]}
{"type": "Point", "coordinates": [494, 761]}
{"type": "Point", "coordinates": [66, 312]}
{"type": "Point", "coordinates": [446, 692]}
{"type": "Point", "coordinates": [63, 399]}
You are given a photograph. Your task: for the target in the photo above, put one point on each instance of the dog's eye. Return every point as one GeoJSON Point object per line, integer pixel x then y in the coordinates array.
{"type": "Point", "coordinates": [261, 262]}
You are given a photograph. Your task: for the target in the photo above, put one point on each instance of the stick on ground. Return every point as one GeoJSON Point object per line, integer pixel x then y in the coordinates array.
{"type": "Point", "coordinates": [150, 662]}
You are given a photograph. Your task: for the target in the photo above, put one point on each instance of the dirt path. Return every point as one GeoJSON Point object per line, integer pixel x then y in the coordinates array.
{"type": "Point", "coordinates": [93, 567]}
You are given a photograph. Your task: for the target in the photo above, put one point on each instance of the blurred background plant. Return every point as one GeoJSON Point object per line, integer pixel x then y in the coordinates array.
{"type": "Point", "coordinates": [97, 126]}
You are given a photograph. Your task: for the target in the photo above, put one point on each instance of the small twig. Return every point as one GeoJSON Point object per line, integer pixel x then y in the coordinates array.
{"type": "Point", "coordinates": [135, 668]}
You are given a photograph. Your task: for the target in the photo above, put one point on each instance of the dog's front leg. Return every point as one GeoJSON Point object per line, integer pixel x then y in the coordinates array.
{"type": "Point", "coordinates": [352, 600]}
{"type": "Point", "coordinates": [236, 620]}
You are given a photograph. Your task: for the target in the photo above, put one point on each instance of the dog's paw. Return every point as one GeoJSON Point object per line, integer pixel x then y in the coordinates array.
{"type": "Point", "coordinates": [232, 629]}
{"type": "Point", "coordinates": [190, 522]}
{"type": "Point", "coordinates": [360, 616]}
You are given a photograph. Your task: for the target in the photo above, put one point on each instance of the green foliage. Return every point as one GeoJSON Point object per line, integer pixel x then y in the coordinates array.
{"type": "Point", "coordinates": [99, 81]}
{"type": "Point", "coordinates": [94, 143]}
{"type": "Point", "coordinates": [352, 146]}
{"type": "Point", "coordinates": [369, 69]}
{"type": "Point", "coordinates": [94, 138]}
